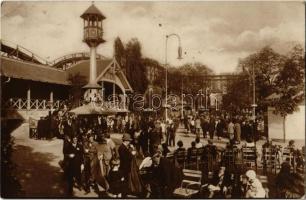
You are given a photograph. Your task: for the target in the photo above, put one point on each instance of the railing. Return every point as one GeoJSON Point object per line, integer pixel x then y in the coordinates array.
{"type": "Point", "coordinates": [19, 49]}
{"type": "Point", "coordinates": [71, 58]}
{"type": "Point", "coordinates": [32, 104]}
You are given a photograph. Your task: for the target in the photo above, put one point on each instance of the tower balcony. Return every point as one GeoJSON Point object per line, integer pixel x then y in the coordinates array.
{"type": "Point", "coordinates": [93, 35]}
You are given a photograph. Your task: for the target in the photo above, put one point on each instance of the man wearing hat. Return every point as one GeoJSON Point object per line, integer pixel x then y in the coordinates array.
{"type": "Point", "coordinates": [125, 156]}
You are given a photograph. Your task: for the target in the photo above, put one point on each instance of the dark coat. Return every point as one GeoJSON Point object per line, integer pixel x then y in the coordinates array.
{"type": "Point", "coordinates": [73, 166]}
{"type": "Point", "coordinates": [219, 128]}
{"type": "Point", "coordinates": [155, 136]}
{"type": "Point", "coordinates": [211, 126]}
{"type": "Point", "coordinates": [166, 176]}
{"type": "Point", "coordinates": [68, 130]}
{"type": "Point", "coordinates": [125, 160]}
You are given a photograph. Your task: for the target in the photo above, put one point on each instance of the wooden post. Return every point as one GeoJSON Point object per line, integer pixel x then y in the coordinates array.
{"type": "Point", "coordinates": [102, 83]}
{"type": "Point", "coordinates": [114, 92]}
{"type": "Point", "coordinates": [19, 104]}
{"type": "Point", "coordinates": [51, 99]}
{"type": "Point", "coordinates": [29, 99]}
{"type": "Point", "coordinates": [124, 100]}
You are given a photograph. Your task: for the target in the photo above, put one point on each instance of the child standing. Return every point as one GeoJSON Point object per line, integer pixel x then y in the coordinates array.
{"type": "Point", "coordinates": [116, 180]}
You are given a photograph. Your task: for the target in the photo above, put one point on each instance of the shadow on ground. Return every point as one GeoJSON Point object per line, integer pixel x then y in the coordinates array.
{"type": "Point", "coordinates": [37, 177]}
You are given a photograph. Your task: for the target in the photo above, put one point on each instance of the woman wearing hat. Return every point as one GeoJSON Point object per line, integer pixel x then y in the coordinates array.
{"type": "Point", "coordinates": [129, 167]}
{"type": "Point", "coordinates": [254, 186]}
{"type": "Point", "coordinates": [102, 162]}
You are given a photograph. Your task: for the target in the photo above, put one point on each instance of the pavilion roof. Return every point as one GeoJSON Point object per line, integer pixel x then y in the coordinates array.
{"type": "Point", "coordinates": [31, 71]}
{"type": "Point", "coordinates": [18, 69]}
{"type": "Point", "coordinates": [93, 10]}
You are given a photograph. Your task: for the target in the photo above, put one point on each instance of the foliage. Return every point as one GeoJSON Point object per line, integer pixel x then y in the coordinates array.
{"type": "Point", "coordinates": [266, 63]}
{"type": "Point", "coordinates": [137, 71]}
{"type": "Point", "coordinates": [290, 83]}
{"type": "Point", "coordinates": [77, 81]}
{"type": "Point", "coordinates": [238, 95]}
{"type": "Point", "coordinates": [119, 52]}
{"type": "Point", "coordinates": [278, 78]}
{"type": "Point", "coordinates": [130, 58]}
{"type": "Point", "coordinates": [188, 77]}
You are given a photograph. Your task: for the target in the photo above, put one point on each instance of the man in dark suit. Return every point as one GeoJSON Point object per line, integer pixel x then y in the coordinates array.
{"type": "Point", "coordinates": [73, 152]}
{"type": "Point", "coordinates": [68, 130]}
{"type": "Point", "coordinates": [125, 156]}
{"type": "Point", "coordinates": [155, 136]}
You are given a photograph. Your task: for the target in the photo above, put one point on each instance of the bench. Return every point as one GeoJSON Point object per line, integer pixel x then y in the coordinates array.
{"type": "Point", "coordinates": [190, 185]}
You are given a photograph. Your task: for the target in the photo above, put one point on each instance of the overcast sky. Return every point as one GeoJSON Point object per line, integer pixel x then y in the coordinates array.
{"type": "Point", "coordinates": [214, 33]}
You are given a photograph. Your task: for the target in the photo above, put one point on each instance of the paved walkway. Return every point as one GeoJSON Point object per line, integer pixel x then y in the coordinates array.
{"type": "Point", "coordinates": [37, 162]}
{"type": "Point", "coordinates": [37, 166]}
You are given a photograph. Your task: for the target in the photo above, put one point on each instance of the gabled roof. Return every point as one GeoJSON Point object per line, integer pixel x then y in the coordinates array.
{"type": "Point", "coordinates": [31, 71]}
{"type": "Point", "coordinates": [83, 67]}
{"type": "Point", "coordinates": [43, 73]}
{"type": "Point", "coordinates": [93, 10]}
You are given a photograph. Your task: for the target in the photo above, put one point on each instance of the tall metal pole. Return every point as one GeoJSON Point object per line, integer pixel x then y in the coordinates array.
{"type": "Point", "coordinates": [254, 100]}
{"type": "Point", "coordinates": [166, 68]}
{"type": "Point", "coordinates": [206, 98]}
{"type": "Point", "coordinates": [254, 105]}
{"type": "Point", "coordinates": [182, 102]}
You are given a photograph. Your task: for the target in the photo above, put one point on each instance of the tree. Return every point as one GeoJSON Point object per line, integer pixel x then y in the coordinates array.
{"type": "Point", "coordinates": [192, 76]}
{"type": "Point", "coordinates": [238, 95]}
{"type": "Point", "coordinates": [77, 81]}
{"type": "Point", "coordinates": [136, 70]}
{"type": "Point", "coordinates": [266, 63]}
{"type": "Point", "coordinates": [290, 85]}
{"type": "Point", "coordinates": [119, 53]}
{"type": "Point", "coordinates": [130, 58]}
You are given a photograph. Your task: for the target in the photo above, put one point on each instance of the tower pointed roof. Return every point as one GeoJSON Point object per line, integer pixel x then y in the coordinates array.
{"type": "Point", "coordinates": [93, 11]}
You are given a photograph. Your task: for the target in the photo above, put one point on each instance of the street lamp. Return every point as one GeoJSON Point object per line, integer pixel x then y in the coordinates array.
{"type": "Point", "coordinates": [254, 93]}
{"type": "Point", "coordinates": [200, 94]}
{"type": "Point", "coordinates": [206, 98]}
{"type": "Point", "coordinates": [182, 102]}
{"type": "Point", "coordinates": [179, 57]}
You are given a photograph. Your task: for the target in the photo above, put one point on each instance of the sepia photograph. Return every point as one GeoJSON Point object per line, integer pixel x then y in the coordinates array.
{"type": "Point", "coordinates": [153, 99]}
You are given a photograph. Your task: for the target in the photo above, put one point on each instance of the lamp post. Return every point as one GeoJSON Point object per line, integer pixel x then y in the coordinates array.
{"type": "Point", "coordinates": [206, 98]}
{"type": "Point", "coordinates": [254, 104]}
{"type": "Point", "coordinates": [179, 57]}
{"type": "Point", "coordinates": [182, 102]}
{"type": "Point", "coordinates": [254, 95]}
{"type": "Point", "coordinates": [200, 94]}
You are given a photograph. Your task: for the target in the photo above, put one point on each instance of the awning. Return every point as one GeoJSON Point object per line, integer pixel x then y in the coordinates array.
{"type": "Point", "coordinates": [90, 109]}
{"type": "Point", "coordinates": [93, 109]}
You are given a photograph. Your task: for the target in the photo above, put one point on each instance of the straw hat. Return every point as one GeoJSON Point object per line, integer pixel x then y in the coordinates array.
{"type": "Point", "coordinates": [126, 137]}
{"type": "Point", "coordinates": [251, 174]}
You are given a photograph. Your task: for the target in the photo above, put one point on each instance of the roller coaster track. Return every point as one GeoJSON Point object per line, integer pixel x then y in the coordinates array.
{"type": "Point", "coordinates": [18, 52]}
{"type": "Point", "coordinates": [65, 61]}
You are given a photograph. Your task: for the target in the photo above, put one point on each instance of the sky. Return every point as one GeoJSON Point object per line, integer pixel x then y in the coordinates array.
{"type": "Point", "coordinates": [216, 34]}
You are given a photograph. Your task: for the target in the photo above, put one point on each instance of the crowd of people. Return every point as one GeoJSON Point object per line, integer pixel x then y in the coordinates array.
{"type": "Point", "coordinates": [238, 127]}
{"type": "Point", "coordinates": [139, 164]}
